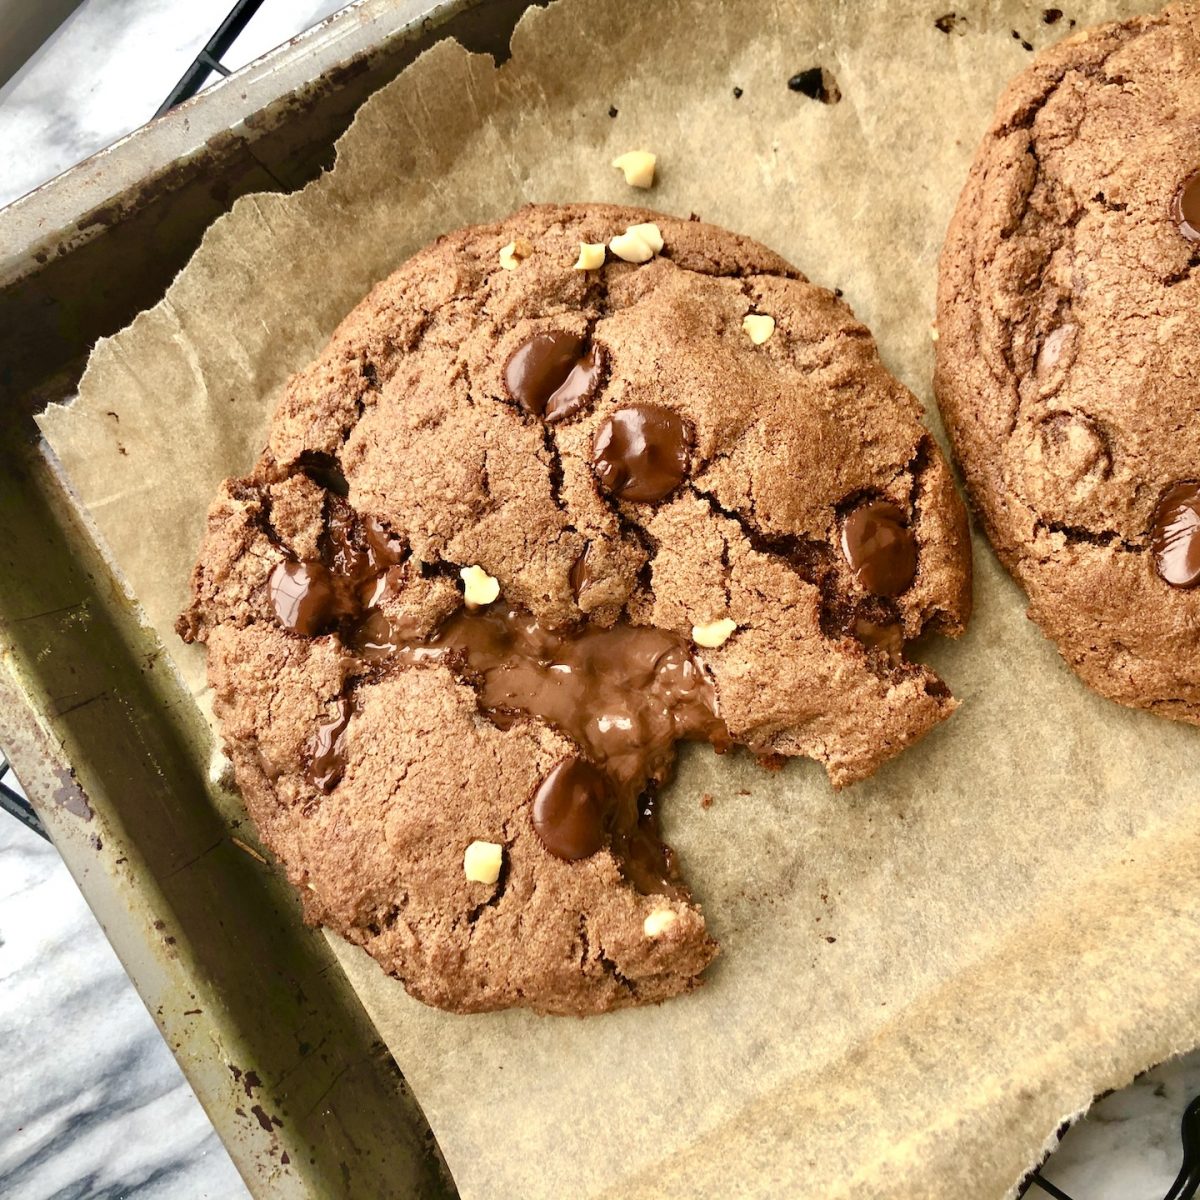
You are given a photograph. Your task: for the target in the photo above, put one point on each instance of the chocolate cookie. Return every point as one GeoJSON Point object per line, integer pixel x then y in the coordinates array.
{"type": "Point", "coordinates": [521, 528]}
{"type": "Point", "coordinates": [1067, 362]}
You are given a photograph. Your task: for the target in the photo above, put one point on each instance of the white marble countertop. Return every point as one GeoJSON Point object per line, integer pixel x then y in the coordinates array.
{"type": "Point", "coordinates": [93, 1103]}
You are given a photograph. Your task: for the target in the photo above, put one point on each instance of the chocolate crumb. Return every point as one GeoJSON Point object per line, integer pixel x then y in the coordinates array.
{"type": "Point", "coordinates": [830, 940]}
{"type": "Point", "coordinates": [612, 110]}
{"type": "Point", "coordinates": [816, 83]}
{"type": "Point", "coordinates": [949, 22]}
{"type": "Point", "coordinates": [737, 93]}
{"type": "Point", "coordinates": [706, 801]}
{"type": "Point", "coordinates": [1051, 16]}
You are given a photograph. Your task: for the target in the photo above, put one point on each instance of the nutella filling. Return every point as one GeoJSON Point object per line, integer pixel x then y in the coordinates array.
{"type": "Point", "coordinates": [623, 695]}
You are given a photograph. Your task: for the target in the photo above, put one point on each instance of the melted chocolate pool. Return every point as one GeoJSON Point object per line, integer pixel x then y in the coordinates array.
{"type": "Point", "coordinates": [623, 695]}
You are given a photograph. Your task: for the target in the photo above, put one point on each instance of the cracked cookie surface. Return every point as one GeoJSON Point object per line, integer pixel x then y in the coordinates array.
{"type": "Point", "coordinates": [693, 534]}
{"type": "Point", "coordinates": [1066, 357]}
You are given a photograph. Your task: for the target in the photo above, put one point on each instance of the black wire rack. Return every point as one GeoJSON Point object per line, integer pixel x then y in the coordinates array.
{"type": "Point", "coordinates": [208, 62]}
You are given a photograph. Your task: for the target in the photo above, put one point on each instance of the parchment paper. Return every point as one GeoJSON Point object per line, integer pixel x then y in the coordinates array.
{"type": "Point", "coordinates": [921, 976]}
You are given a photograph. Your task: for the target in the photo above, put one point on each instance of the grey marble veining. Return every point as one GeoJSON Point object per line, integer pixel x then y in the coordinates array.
{"type": "Point", "coordinates": [1128, 1147]}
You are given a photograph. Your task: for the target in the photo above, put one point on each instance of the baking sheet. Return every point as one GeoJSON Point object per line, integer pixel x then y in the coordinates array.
{"type": "Point", "coordinates": [920, 975]}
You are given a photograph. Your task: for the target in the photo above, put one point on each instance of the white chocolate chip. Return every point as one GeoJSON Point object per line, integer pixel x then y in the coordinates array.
{"type": "Point", "coordinates": [637, 167]}
{"type": "Point", "coordinates": [638, 244]}
{"type": "Point", "coordinates": [714, 634]}
{"type": "Point", "coordinates": [479, 587]}
{"type": "Point", "coordinates": [649, 233]}
{"type": "Point", "coordinates": [591, 256]}
{"type": "Point", "coordinates": [933, 333]}
{"type": "Point", "coordinates": [511, 255]}
{"type": "Point", "coordinates": [759, 327]}
{"type": "Point", "coordinates": [481, 861]}
{"type": "Point", "coordinates": [659, 921]}
{"type": "Point", "coordinates": [630, 248]}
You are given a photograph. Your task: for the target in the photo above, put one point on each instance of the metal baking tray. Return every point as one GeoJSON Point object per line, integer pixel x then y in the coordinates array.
{"type": "Point", "coordinates": [110, 748]}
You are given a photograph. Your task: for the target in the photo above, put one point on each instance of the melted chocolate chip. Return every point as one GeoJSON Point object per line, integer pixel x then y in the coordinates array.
{"type": "Point", "coordinates": [345, 551]}
{"type": "Point", "coordinates": [550, 376]}
{"type": "Point", "coordinates": [327, 749]}
{"type": "Point", "coordinates": [303, 596]}
{"type": "Point", "coordinates": [570, 809]}
{"type": "Point", "coordinates": [1186, 208]}
{"type": "Point", "coordinates": [879, 548]}
{"type": "Point", "coordinates": [385, 548]}
{"type": "Point", "coordinates": [641, 453]}
{"type": "Point", "coordinates": [1175, 537]}
{"type": "Point", "coordinates": [581, 577]}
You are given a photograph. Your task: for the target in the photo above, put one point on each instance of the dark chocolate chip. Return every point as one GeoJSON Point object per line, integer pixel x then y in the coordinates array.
{"type": "Point", "coordinates": [879, 547]}
{"type": "Point", "coordinates": [1175, 537]}
{"type": "Point", "coordinates": [612, 112]}
{"type": "Point", "coordinates": [550, 375]}
{"type": "Point", "coordinates": [737, 93]}
{"type": "Point", "coordinates": [817, 83]}
{"type": "Point", "coordinates": [641, 452]}
{"type": "Point", "coordinates": [303, 596]}
{"type": "Point", "coordinates": [1051, 16]}
{"type": "Point", "coordinates": [949, 22]}
{"type": "Point", "coordinates": [570, 807]}
{"type": "Point", "coordinates": [327, 749]}
{"type": "Point", "coordinates": [1186, 207]}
